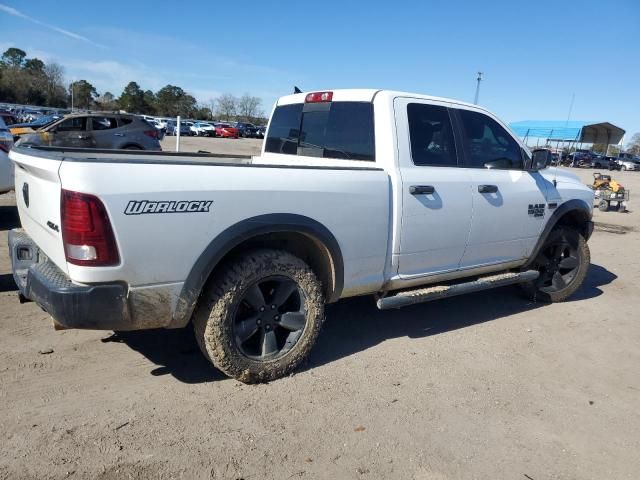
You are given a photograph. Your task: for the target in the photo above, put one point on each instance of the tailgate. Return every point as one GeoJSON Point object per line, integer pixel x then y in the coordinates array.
{"type": "Point", "coordinates": [38, 200]}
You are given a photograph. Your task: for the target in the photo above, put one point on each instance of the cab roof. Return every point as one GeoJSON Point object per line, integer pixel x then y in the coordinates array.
{"type": "Point", "coordinates": [367, 95]}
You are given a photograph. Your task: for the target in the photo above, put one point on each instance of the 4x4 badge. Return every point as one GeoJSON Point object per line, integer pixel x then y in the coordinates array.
{"type": "Point", "coordinates": [25, 193]}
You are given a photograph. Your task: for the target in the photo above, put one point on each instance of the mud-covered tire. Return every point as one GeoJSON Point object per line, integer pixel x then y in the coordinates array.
{"type": "Point", "coordinates": [603, 206]}
{"type": "Point", "coordinates": [538, 290]}
{"type": "Point", "coordinates": [215, 317]}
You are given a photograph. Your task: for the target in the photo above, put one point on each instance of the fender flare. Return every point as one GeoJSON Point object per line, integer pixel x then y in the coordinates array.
{"type": "Point", "coordinates": [238, 233]}
{"type": "Point", "coordinates": [572, 206]}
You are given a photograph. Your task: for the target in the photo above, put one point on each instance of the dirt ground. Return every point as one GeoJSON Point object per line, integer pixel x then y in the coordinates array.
{"type": "Point", "coordinates": [486, 386]}
{"type": "Point", "coordinates": [236, 146]}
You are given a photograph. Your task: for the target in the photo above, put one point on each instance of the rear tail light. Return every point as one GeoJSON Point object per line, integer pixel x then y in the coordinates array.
{"type": "Point", "coordinates": [151, 133]}
{"type": "Point", "coordinates": [86, 231]}
{"type": "Point", "coordinates": [317, 97]}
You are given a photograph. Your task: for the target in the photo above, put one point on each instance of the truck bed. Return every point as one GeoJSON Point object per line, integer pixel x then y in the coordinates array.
{"type": "Point", "coordinates": [158, 249]}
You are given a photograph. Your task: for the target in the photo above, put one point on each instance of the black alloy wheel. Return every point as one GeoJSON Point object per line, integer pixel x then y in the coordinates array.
{"type": "Point", "coordinates": [270, 318]}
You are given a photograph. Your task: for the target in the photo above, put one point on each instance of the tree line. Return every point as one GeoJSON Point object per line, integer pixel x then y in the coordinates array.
{"type": "Point", "coordinates": [31, 81]}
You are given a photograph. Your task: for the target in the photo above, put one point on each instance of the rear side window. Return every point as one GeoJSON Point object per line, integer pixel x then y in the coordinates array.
{"type": "Point", "coordinates": [341, 130]}
{"type": "Point", "coordinates": [284, 129]}
{"type": "Point", "coordinates": [487, 144]}
{"type": "Point", "coordinates": [103, 123]}
{"type": "Point", "coordinates": [431, 135]}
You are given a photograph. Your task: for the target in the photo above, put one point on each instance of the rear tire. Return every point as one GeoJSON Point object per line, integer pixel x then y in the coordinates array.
{"type": "Point", "coordinates": [563, 262]}
{"type": "Point", "coordinates": [258, 319]}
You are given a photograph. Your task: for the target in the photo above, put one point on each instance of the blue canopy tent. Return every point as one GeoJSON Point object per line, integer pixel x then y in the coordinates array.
{"type": "Point", "coordinates": [574, 131]}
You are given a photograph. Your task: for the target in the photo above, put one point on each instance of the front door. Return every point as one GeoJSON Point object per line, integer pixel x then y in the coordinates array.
{"type": "Point", "coordinates": [72, 132]}
{"type": "Point", "coordinates": [435, 194]}
{"type": "Point", "coordinates": [509, 202]}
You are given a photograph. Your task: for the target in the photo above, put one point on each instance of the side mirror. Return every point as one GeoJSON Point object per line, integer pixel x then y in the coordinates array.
{"type": "Point", "coordinates": [541, 159]}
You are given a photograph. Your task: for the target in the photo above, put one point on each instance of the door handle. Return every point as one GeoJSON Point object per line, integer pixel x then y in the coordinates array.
{"type": "Point", "coordinates": [421, 189]}
{"type": "Point", "coordinates": [487, 188]}
{"type": "Point", "coordinates": [82, 137]}
{"type": "Point", "coordinates": [119, 134]}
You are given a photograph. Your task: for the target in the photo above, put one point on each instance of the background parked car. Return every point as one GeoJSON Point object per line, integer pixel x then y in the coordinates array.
{"type": "Point", "coordinates": [191, 127]}
{"type": "Point", "coordinates": [204, 129]}
{"type": "Point", "coordinates": [184, 129]}
{"type": "Point", "coordinates": [261, 131]}
{"type": "Point", "coordinates": [6, 165]}
{"type": "Point", "coordinates": [18, 129]}
{"type": "Point", "coordinates": [225, 130]}
{"type": "Point", "coordinates": [96, 130]}
{"type": "Point", "coordinates": [629, 164]}
{"type": "Point", "coordinates": [246, 129]}
{"type": "Point", "coordinates": [8, 118]}
{"type": "Point", "coordinates": [599, 161]}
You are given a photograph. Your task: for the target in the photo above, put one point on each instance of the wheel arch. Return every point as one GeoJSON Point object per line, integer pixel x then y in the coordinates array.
{"type": "Point", "coordinates": [302, 236]}
{"type": "Point", "coordinates": [573, 213]}
{"type": "Point", "coordinates": [131, 144]}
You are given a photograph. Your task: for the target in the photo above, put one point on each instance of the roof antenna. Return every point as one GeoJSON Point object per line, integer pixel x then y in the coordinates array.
{"type": "Point", "coordinates": [296, 90]}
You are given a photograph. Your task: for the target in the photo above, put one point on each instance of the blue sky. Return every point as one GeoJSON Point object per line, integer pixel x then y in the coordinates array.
{"type": "Point", "coordinates": [534, 55]}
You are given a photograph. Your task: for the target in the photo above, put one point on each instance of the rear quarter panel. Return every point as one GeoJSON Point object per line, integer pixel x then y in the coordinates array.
{"type": "Point", "coordinates": [161, 248]}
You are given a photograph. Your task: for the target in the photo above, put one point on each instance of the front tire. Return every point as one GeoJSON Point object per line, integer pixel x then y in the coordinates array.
{"type": "Point", "coordinates": [258, 319]}
{"type": "Point", "coordinates": [563, 262]}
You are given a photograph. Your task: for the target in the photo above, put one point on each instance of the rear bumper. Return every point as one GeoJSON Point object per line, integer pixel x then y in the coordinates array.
{"type": "Point", "coordinates": [106, 306]}
{"type": "Point", "coordinates": [100, 307]}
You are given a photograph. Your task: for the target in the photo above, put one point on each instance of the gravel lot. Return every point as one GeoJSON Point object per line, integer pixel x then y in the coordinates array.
{"type": "Point", "coordinates": [482, 386]}
{"type": "Point", "coordinates": [235, 146]}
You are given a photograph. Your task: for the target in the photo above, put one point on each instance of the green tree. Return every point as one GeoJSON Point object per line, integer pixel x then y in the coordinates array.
{"type": "Point", "coordinates": [83, 93]}
{"type": "Point", "coordinates": [34, 66]}
{"type": "Point", "coordinates": [149, 102]}
{"type": "Point", "coordinates": [132, 98]}
{"type": "Point", "coordinates": [13, 57]}
{"type": "Point", "coordinates": [172, 101]}
{"type": "Point", "coordinates": [107, 101]}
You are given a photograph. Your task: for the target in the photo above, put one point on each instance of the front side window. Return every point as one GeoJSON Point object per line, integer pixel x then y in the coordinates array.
{"type": "Point", "coordinates": [487, 144]}
{"type": "Point", "coordinates": [74, 124]}
{"type": "Point", "coordinates": [342, 130]}
{"type": "Point", "coordinates": [431, 135]}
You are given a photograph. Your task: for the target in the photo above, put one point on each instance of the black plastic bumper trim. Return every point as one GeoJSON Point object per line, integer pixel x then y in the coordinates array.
{"type": "Point", "coordinates": [96, 307]}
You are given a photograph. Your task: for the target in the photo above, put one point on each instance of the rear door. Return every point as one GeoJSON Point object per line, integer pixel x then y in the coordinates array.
{"type": "Point", "coordinates": [509, 202]}
{"type": "Point", "coordinates": [436, 196]}
{"type": "Point", "coordinates": [105, 132]}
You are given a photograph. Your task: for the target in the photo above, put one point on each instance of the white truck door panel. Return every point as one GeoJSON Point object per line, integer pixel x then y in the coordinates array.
{"type": "Point", "coordinates": [504, 222]}
{"type": "Point", "coordinates": [509, 203]}
{"type": "Point", "coordinates": [435, 196]}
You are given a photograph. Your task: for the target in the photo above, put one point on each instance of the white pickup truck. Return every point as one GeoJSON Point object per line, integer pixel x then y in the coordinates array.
{"type": "Point", "coordinates": [405, 197]}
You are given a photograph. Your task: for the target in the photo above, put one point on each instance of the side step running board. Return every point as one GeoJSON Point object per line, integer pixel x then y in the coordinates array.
{"type": "Point", "coordinates": [435, 292]}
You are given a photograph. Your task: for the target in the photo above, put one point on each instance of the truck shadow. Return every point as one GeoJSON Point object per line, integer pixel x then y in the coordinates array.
{"type": "Point", "coordinates": [354, 325]}
{"type": "Point", "coordinates": [9, 217]}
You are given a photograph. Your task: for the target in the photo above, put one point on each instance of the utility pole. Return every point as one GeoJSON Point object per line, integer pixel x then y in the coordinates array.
{"type": "Point", "coordinates": [71, 97]}
{"type": "Point", "coordinates": [479, 79]}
